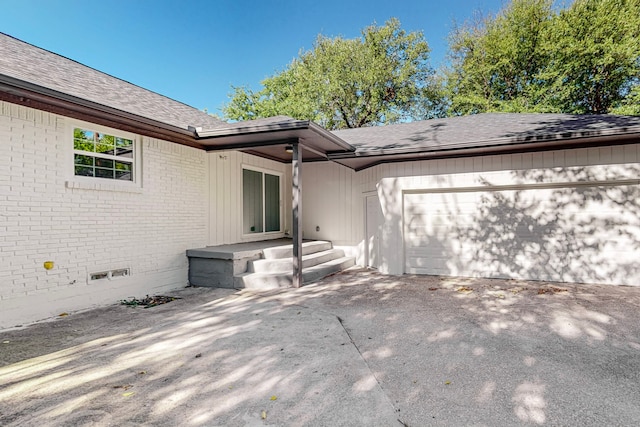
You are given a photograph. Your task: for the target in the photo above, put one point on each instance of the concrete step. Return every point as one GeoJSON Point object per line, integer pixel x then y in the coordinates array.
{"type": "Point", "coordinates": [285, 280]}
{"type": "Point", "coordinates": [319, 271]}
{"type": "Point", "coordinates": [286, 251]}
{"type": "Point", "coordinates": [274, 265]}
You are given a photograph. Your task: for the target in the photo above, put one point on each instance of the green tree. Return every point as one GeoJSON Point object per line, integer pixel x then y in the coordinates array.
{"type": "Point", "coordinates": [496, 60]}
{"type": "Point", "coordinates": [594, 55]}
{"type": "Point", "coordinates": [630, 105]}
{"type": "Point", "coordinates": [382, 77]}
{"type": "Point", "coordinates": [531, 58]}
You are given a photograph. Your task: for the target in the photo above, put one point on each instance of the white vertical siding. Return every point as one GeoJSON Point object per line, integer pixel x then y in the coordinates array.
{"type": "Point", "coordinates": [331, 202]}
{"type": "Point", "coordinates": [225, 199]}
{"type": "Point", "coordinates": [326, 202]}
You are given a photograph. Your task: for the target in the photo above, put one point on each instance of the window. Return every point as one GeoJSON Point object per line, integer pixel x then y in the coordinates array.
{"type": "Point", "coordinates": [99, 155]}
{"type": "Point", "coordinates": [261, 202]}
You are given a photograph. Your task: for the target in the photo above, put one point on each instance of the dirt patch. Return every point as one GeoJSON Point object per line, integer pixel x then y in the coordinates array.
{"type": "Point", "coordinates": [551, 290]}
{"type": "Point", "coordinates": [148, 301]}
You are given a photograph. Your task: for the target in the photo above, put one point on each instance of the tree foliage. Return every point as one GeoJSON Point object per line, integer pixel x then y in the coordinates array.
{"type": "Point", "coordinates": [531, 58]}
{"type": "Point", "coordinates": [495, 61]}
{"type": "Point", "coordinates": [594, 55]}
{"type": "Point", "coordinates": [630, 105]}
{"type": "Point", "coordinates": [382, 77]}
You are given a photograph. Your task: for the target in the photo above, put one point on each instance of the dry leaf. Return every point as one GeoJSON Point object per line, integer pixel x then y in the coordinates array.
{"type": "Point", "coordinates": [63, 314]}
{"type": "Point", "coordinates": [263, 415]}
{"type": "Point", "coordinates": [447, 382]}
{"type": "Point", "coordinates": [273, 397]}
{"type": "Point", "coordinates": [124, 386]}
{"type": "Point", "coordinates": [129, 393]}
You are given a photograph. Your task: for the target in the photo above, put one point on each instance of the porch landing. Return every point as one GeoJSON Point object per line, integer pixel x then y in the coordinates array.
{"type": "Point", "coordinates": [262, 265]}
{"type": "Point", "coordinates": [238, 250]}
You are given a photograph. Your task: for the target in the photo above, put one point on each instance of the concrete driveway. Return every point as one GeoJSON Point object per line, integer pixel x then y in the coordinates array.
{"type": "Point", "coordinates": [357, 349]}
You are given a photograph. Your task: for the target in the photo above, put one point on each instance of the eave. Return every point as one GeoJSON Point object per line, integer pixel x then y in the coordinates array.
{"type": "Point", "coordinates": [365, 159]}
{"type": "Point", "coordinates": [265, 140]}
{"type": "Point", "coordinates": [29, 95]}
{"type": "Point", "coordinates": [269, 140]}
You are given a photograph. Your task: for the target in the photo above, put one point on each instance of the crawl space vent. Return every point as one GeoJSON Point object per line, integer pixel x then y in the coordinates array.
{"type": "Point", "coordinates": [109, 275]}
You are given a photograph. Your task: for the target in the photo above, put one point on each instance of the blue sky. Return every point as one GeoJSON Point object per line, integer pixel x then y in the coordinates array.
{"type": "Point", "coordinates": [194, 50]}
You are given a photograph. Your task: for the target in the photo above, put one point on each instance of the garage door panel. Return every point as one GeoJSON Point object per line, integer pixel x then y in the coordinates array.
{"type": "Point", "coordinates": [560, 234]}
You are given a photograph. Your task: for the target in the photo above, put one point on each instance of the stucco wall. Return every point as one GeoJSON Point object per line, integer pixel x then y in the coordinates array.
{"type": "Point", "coordinates": [47, 214]}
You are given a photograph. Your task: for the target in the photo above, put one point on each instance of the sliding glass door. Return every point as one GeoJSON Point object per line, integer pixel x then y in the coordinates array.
{"type": "Point", "coordinates": [261, 202]}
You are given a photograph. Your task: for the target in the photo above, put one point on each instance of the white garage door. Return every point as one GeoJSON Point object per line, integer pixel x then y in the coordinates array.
{"type": "Point", "coordinates": [579, 233]}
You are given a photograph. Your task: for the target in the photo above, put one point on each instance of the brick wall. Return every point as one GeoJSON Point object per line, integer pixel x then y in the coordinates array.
{"type": "Point", "coordinates": [92, 225]}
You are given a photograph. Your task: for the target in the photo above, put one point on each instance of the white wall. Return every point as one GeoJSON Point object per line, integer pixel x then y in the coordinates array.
{"type": "Point", "coordinates": [225, 189]}
{"type": "Point", "coordinates": [332, 207]}
{"type": "Point", "coordinates": [46, 214]}
{"type": "Point", "coordinates": [187, 198]}
{"type": "Point", "coordinates": [326, 188]}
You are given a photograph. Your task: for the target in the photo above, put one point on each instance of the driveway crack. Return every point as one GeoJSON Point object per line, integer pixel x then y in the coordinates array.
{"type": "Point", "coordinates": [395, 409]}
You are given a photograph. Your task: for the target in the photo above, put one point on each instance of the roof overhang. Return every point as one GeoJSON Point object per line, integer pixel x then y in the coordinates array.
{"type": "Point", "coordinates": [30, 95]}
{"type": "Point", "coordinates": [269, 138]}
{"type": "Point", "coordinates": [366, 159]}
{"type": "Point", "coordinates": [263, 137]}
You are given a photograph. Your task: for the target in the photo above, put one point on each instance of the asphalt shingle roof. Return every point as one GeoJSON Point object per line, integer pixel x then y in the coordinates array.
{"type": "Point", "coordinates": [34, 65]}
{"type": "Point", "coordinates": [484, 130]}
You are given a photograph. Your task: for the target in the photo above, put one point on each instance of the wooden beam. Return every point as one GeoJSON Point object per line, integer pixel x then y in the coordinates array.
{"type": "Point", "coordinates": [296, 205]}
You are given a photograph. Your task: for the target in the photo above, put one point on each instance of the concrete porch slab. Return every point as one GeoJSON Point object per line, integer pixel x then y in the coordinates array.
{"type": "Point", "coordinates": [216, 266]}
{"type": "Point", "coordinates": [237, 250]}
{"type": "Point", "coordinates": [219, 266]}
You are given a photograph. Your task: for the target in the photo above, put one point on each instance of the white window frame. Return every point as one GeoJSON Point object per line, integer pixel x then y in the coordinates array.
{"type": "Point", "coordinates": [97, 183]}
{"type": "Point", "coordinates": [263, 171]}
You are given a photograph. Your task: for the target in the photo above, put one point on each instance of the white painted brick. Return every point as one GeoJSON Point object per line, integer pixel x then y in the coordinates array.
{"type": "Point", "coordinates": [83, 229]}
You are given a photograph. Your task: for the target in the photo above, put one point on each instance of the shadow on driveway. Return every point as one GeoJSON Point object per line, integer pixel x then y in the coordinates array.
{"type": "Point", "coordinates": [357, 348]}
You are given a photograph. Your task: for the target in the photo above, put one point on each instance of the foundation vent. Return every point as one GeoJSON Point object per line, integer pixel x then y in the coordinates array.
{"type": "Point", "coordinates": [110, 274]}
